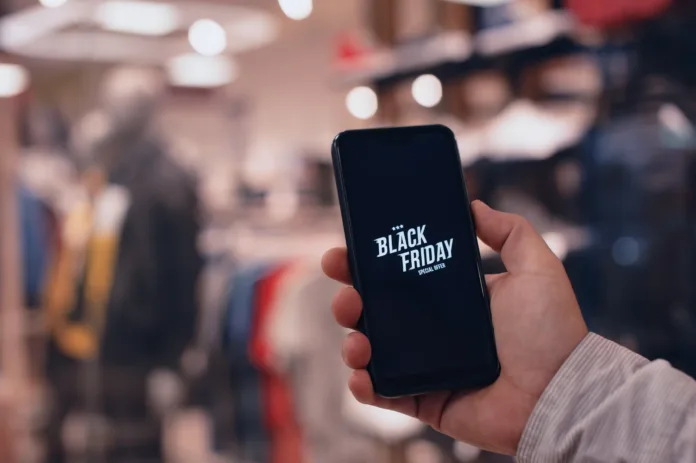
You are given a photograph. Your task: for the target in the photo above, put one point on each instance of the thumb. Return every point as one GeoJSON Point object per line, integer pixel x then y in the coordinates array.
{"type": "Point", "coordinates": [520, 246]}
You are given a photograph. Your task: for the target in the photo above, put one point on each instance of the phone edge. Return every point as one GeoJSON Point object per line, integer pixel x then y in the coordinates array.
{"type": "Point", "coordinates": [348, 233]}
{"type": "Point", "coordinates": [352, 264]}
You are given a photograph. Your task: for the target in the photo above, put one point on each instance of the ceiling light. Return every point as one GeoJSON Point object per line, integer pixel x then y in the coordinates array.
{"type": "Point", "coordinates": [207, 37]}
{"type": "Point", "coordinates": [52, 3]}
{"type": "Point", "coordinates": [132, 17]}
{"type": "Point", "coordinates": [362, 102]}
{"type": "Point", "coordinates": [427, 90]}
{"type": "Point", "coordinates": [296, 9]}
{"type": "Point", "coordinates": [192, 70]}
{"type": "Point", "coordinates": [14, 79]}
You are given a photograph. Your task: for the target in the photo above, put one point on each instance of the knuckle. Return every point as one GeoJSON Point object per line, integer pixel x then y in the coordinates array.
{"type": "Point", "coordinates": [522, 222]}
{"type": "Point", "coordinates": [523, 225]}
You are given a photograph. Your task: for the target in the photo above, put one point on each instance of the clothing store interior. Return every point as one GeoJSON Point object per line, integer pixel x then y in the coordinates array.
{"type": "Point", "coordinates": [166, 194]}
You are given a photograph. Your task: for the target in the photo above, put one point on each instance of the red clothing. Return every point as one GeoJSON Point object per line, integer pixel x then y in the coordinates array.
{"type": "Point", "coordinates": [615, 13]}
{"type": "Point", "coordinates": [279, 412]}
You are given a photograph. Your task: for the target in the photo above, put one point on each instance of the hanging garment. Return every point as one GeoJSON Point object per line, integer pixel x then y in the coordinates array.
{"type": "Point", "coordinates": [83, 276]}
{"type": "Point", "coordinates": [288, 330]}
{"type": "Point", "coordinates": [153, 306]}
{"type": "Point", "coordinates": [214, 284]}
{"type": "Point", "coordinates": [249, 426]}
{"type": "Point", "coordinates": [616, 13]}
{"type": "Point", "coordinates": [209, 385]}
{"type": "Point", "coordinates": [240, 310]}
{"type": "Point", "coordinates": [35, 245]}
{"type": "Point", "coordinates": [306, 345]}
{"type": "Point", "coordinates": [76, 303]}
{"type": "Point", "coordinates": [285, 434]}
{"type": "Point", "coordinates": [150, 313]}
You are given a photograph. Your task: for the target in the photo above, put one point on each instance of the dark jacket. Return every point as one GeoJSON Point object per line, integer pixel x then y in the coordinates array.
{"type": "Point", "coordinates": [152, 312]}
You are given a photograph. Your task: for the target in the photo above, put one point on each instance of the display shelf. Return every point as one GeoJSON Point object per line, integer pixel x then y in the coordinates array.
{"type": "Point", "coordinates": [409, 58]}
{"type": "Point", "coordinates": [454, 53]}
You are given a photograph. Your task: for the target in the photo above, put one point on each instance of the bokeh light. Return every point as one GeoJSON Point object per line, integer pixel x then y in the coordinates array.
{"type": "Point", "coordinates": [362, 102]}
{"type": "Point", "coordinates": [296, 9]}
{"type": "Point", "coordinates": [207, 37]}
{"type": "Point", "coordinates": [427, 90]}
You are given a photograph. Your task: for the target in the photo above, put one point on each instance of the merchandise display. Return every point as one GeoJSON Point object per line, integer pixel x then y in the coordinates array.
{"type": "Point", "coordinates": [167, 192]}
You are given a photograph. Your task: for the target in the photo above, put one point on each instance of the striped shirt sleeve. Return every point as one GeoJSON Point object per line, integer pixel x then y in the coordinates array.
{"type": "Point", "coordinates": [607, 404]}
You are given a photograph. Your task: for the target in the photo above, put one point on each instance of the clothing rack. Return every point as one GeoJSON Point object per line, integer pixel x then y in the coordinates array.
{"type": "Point", "coordinates": [13, 355]}
{"type": "Point", "coordinates": [249, 244]}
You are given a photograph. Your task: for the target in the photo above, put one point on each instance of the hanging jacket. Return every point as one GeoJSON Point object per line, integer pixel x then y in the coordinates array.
{"type": "Point", "coordinates": [152, 311]}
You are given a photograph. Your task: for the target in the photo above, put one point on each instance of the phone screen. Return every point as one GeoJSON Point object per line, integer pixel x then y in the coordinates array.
{"type": "Point", "coordinates": [416, 253]}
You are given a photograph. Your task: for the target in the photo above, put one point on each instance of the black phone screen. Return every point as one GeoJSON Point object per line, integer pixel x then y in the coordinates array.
{"type": "Point", "coordinates": [415, 253]}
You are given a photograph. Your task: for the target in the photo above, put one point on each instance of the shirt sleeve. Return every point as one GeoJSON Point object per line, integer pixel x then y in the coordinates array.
{"type": "Point", "coordinates": [607, 404]}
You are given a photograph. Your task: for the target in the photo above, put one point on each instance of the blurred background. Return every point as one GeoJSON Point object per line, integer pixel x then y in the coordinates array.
{"type": "Point", "coordinates": [166, 193]}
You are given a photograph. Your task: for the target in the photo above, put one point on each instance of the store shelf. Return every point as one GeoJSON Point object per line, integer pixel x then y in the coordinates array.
{"type": "Point", "coordinates": [411, 57]}
{"type": "Point", "coordinates": [456, 53]}
{"type": "Point", "coordinates": [533, 33]}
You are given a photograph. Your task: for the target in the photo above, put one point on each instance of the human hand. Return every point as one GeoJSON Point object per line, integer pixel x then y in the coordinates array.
{"type": "Point", "coordinates": [537, 325]}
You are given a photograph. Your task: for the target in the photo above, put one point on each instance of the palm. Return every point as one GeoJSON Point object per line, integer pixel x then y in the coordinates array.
{"type": "Point", "coordinates": [478, 416]}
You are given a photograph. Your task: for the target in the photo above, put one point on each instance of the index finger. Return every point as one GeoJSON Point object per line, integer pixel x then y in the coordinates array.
{"type": "Point", "coordinates": [335, 265]}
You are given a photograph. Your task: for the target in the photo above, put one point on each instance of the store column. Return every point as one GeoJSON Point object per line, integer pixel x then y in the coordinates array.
{"type": "Point", "coordinates": [13, 385]}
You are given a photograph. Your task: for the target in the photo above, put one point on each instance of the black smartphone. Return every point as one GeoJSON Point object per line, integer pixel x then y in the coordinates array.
{"type": "Point", "coordinates": [414, 259]}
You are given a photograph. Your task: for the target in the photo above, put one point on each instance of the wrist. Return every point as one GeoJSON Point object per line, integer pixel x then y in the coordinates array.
{"type": "Point", "coordinates": [509, 418]}
{"type": "Point", "coordinates": [528, 399]}
{"type": "Point", "coordinates": [519, 416]}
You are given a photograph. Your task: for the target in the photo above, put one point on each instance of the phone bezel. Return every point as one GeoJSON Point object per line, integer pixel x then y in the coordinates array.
{"type": "Point", "coordinates": [420, 383]}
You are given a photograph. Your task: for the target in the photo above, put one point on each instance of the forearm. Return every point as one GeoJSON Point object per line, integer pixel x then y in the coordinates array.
{"type": "Point", "coordinates": [607, 405]}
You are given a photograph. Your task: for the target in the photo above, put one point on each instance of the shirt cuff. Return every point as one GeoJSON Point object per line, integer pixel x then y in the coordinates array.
{"type": "Point", "coordinates": [592, 355]}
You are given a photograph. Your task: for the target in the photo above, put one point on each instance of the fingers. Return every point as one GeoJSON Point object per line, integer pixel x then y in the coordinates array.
{"type": "Point", "coordinates": [335, 265]}
{"type": "Point", "coordinates": [347, 307]}
{"type": "Point", "coordinates": [520, 246]}
{"type": "Point", "coordinates": [356, 351]}
{"type": "Point", "coordinates": [360, 385]}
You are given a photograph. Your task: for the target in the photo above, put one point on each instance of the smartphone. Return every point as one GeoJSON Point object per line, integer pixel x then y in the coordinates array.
{"type": "Point", "coordinates": [414, 259]}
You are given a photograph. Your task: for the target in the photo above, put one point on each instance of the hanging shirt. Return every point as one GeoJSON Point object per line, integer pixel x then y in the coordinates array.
{"type": "Point", "coordinates": [286, 437]}
{"type": "Point", "coordinates": [249, 425]}
{"type": "Point", "coordinates": [306, 346]}
{"type": "Point", "coordinates": [240, 309]}
{"type": "Point", "coordinates": [35, 248]}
